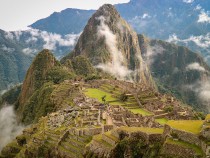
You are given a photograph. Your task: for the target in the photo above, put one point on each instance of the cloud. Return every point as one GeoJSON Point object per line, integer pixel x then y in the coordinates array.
{"type": "Point", "coordinates": [52, 40]}
{"type": "Point", "coordinates": [195, 66]}
{"type": "Point", "coordinates": [9, 35]}
{"type": "Point", "coordinates": [29, 51]}
{"type": "Point", "coordinates": [7, 49]}
{"type": "Point", "coordinates": [203, 17]}
{"type": "Point", "coordinates": [9, 128]}
{"type": "Point", "coordinates": [152, 52]}
{"type": "Point", "coordinates": [117, 66]}
{"type": "Point", "coordinates": [188, 1]}
{"type": "Point", "coordinates": [198, 7]}
{"type": "Point", "coordinates": [202, 41]}
{"type": "Point", "coordinates": [202, 90]}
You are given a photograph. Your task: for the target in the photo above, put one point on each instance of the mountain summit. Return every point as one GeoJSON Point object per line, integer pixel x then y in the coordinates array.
{"type": "Point", "coordinates": [112, 45]}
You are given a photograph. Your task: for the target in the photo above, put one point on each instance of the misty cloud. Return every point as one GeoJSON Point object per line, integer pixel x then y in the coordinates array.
{"type": "Point", "coordinates": [7, 49]}
{"type": "Point", "coordinates": [202, 41]}
{"type": "Point", "coordinates": [51, 40]}
{"type": "Point", "coordinates": [203, 17]}
{"type": "Point", "coordinates": [202, 89]}
{"type": "Point", "coordinates": [29, 51]}
{"type": "Point", "coordinates": [9, 36]}
{"type": "Point", "coordinates": [195, 66]}
{"type": "Point", "coordinates": [9, 128]}
{"type": "Point", "coordinates": [152, 52]}
{"type": "Point", "coordinates": [116, 67]}
{"type": "Point", "coordinates": [188, 1]}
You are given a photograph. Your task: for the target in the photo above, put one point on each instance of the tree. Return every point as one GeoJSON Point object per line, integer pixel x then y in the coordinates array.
{"type": "Point", "coordinates": [103, 99]}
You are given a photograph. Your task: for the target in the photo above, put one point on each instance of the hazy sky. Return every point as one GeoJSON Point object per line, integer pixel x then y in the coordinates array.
{"type": "Point", "coordinates": [18, 14]}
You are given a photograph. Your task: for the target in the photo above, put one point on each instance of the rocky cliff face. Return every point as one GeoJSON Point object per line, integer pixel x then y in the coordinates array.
{"type": "Point", "coordinates": [112, 45]}
{"type": "Point", "coordinates": [177, 70]}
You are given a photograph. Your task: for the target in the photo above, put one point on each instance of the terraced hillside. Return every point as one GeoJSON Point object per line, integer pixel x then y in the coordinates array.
{"type": "Point", "coordinates": [103, 117]}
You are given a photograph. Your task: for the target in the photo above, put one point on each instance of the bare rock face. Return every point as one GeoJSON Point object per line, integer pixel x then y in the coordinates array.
{"type": "Point", "coordinates": [112, 45]}
{"type": "Point", "coordinates": [35, 76]}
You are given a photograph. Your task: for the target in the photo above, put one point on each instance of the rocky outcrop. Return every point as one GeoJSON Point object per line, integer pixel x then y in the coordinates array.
{"type": "Point", "coordinates": [112, 45]}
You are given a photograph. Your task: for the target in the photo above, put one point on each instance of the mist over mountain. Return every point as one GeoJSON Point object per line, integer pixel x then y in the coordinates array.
{"type": "Point", "coordinates": [112, 46]}
{"type": "Point", "coordinates": [116, 94]}
{"type": "Point", "coordinates": [18, 48]}
{"type": "Point", "coordinates": [178, 70]}
{"type": "Point", "coordinates": [188, 21]}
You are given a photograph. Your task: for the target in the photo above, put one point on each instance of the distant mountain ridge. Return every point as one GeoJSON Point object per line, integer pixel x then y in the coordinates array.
{"type": "Point", "coordinates": [177, 70]}
{"type": "Point", "coordinates": [18, 48]}
{"type": "Point", "coordinates": [187, 20]}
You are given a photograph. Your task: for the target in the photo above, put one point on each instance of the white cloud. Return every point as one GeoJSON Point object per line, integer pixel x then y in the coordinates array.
{"type": "Point", "coordinates": [198, 7]}
{"type": "Point", "coordinates": [188, 1]}
{"type": "Point", "coordinates": [202, 90]}
{"type": "Point", "coordinates": [116, 67]}
{"type": "Point", "coordinates": [202, 41]}
{"type": "Point", "coordinates": [29, 51]}
{"type": "Point", "coordinates": [52, 39]}
{"type": "Point", "coordinates": [9, 128]}
{"type": "Point", "coordinates": [152, 52]}
{"type": "Point", "coordinates": [204, 17]}
{"type": "Point", "coordinates": [195, 66]}
{"type": "Point", "coordinates": [145, 15]}
{"type": "Point", "coordinates": [9, 36]}
{"type": "Point", "coordinates": [7, 49]}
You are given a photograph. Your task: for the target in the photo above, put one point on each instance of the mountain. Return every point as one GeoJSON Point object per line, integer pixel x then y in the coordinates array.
{"type": "Point", "coordinates": [72, 114]}
{"type": "Point", "coordinates": [111, 45]}
{"type": "Point", "coordinates": [177, 70]}
{"type": "Point", "coordinates": [34, 100]}
{"type": "Point", "coordinates": [77, 17]}
{"type": "Point", "coordinates": [180, 21]}
{"type": "Point", "coordinates": [18, 48]}
{"type": "Point", "coordinates": [13, 62]}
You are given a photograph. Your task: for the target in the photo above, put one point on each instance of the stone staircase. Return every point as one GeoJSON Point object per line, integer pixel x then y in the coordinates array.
{"type": "Point", "coordinates": [73, 146]}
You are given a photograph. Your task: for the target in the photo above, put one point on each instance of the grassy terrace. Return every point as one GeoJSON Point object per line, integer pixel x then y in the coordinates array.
{"type": "Point", "coordinates": [143, 112]}
{"type": "Point", "coordinates": [162, 121]}
{"type": "Point", "coordinates": [98, 94]}
{"type": "Point", "coordinates": [192, 126]}
{"type": "Point", "coordinates": [99, 139]}
{"type": "Point", "coordinates": [208, 117]}
{"type": "Point", "coordinates": [131, 106]}
{"type": "Point", "coordinates": [143, 129]}
{"type": "Point", "coordinates": [185, 145]}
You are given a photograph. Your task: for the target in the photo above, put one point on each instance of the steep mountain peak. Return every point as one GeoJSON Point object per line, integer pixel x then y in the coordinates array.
{"type": "Point", "coordinates": [111, 45]}
{"type": "Point", "coordinates": [36, 75]}
{"type": "Point", "coordinates": [107, 10]}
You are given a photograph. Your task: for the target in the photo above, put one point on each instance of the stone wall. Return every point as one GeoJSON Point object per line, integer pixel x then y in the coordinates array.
{"type": "Point", "coordinates": [178, 151]}
{"type": "Point", "coordinates": [182, 135]}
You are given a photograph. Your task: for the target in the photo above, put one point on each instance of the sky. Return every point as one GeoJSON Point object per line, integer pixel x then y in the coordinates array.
{"type": "Point", "coordinates": [18, 14]}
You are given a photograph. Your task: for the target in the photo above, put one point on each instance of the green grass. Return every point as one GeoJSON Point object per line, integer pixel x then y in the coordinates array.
{"type": "Point", "coordinates": [109, 134]}
{"type": "Point", "coordinates": [143, 129]}
{"type": "Point", "coordinates": [162, 121]}
{"type": "Point", "coordinates": [208, 117]}
{"type": "Point", "coordinates": [99, 139]}
{"type": "Point", "coordinates": [141, 111]}
{"type": "Point", "coordinates": [185, 145]}
{"type": "Point", "coordinates": [192, 126]}
{"type": "Point", "coordinates": [98, 94]}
